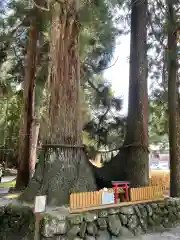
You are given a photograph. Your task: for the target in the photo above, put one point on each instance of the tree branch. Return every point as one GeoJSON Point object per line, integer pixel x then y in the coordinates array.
{"type": "Point", "coordinates": [40, 7]}
{"type": "Point", "coordinates": [153, 30]}
{"type": "Point", "coordinates": [103, 69]}
{"type": "Point", "coordinates": [15, 53]}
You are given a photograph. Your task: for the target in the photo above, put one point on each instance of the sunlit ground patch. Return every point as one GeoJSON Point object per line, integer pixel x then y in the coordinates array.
{"type": "Point", "coordinates": [8, 184]}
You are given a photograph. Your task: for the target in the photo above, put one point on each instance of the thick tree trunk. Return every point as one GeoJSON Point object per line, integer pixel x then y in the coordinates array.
{"type": "Point", "coordinates": [63, 169]}
{"type": "Point", "coordinates": [24, 170]}
{"type": "Point", "coordinates": [173, 105]}
{"type": "Point", "coordinates": [136, 141]}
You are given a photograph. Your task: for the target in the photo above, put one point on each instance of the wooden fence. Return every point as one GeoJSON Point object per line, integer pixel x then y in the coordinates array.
{"type": "Point", "coordinates": [85, 199]}
{"type": "Point", "coordinates": [147, 193]}
{"type": "Point", "coordinates": [160, 178]}
{"type": "Point", "coordinates": [94, 199]}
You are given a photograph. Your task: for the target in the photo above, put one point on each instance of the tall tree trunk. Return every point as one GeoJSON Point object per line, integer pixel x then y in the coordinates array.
{"type": "Point", "coordinates": [132, 162]}
{"type": "Point", "coordinates": [173, 104]}
{"type": "Point", "coordinates": [33, 146]}
{"type": "Point", "coordinates": [24, 163]}
{"type": "Point", "coordinates": [136, 141]}
{"type": "Point", "coordinates": [64, 169]}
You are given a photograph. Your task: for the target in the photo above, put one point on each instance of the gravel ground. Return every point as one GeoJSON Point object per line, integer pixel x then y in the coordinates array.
{"type": "Point", "coordinates": [171, 234]}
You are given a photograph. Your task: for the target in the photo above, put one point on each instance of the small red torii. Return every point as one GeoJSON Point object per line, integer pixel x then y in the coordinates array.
{"type": "Point", "coordinates": [120, 184]}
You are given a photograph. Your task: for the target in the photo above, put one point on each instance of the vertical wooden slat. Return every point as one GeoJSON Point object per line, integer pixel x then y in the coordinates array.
{"type": "Point", "coordinates": [94, 198]}
{"type": "Point", "coordinates": [132, 194]}
{"type": "Point", "coordinates": [145, 193]}
{"type": "Point", "coordinates": [71, 201]}
{"type": "Point", "coordinates": [80, 200]}
{"type": "Point", "coordinates": [74, 200]}
{"type": "Point", "coordinates": [148, 193]}
{"type": "Point", "coordinates": [152, 193]}
{"type": "Point", "coordinates": [77, 200]}
{"type": "Point", "coordinates": [89, 198]}
{"type": "Point", "coordinates": [97, 197]}
{"type": "Point", "coordinates": [85, 199]}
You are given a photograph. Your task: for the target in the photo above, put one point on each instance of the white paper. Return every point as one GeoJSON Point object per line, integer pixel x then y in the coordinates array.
{"type": "Point", "coordinates": [107, 198]}
{"type": "Point", "coordinates": [40, 204]}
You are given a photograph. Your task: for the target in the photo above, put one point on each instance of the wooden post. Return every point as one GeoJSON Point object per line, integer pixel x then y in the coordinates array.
{"type": "Point", "coordinates": [37, 233]}
{"type": "Point", "coordinates": [39, 207]}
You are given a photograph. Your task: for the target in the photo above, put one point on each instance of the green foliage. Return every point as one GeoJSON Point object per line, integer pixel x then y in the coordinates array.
{"type": "Point", "coordinates": [107, 126]}
{"type": "Point", "coordinates": [158, 122]}
{"type": "Point", "coordinates": [97, 42]}
{"type": "Point", "coordinates": [157, 42]}
{"type": "Point", "coordinates": [10, 113]}
{"type": "Point", "coordinates": [98, 33]}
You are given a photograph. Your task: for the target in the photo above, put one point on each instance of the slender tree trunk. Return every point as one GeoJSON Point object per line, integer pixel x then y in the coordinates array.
{"type": "Point", "coordinates": [24, 163]}
{"type": "Point", "coordinates": [136, 141]}
{"type": "Point", "coordinates": [173, 104]}
{"type": "Point", "coordinates": [33, 147]}
{"type": "Point", "coordinates": [63, 169]}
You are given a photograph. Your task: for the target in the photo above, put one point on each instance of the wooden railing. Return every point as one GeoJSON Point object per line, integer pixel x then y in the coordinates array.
{"type": "Point", "coordinates": [147, 193]}
{"type": "Point", "coordinates": [94, 199]}
{"type": "Point", "coordinates": [85, 199]}
{"type": "Point", "coordinates": [160, 178]}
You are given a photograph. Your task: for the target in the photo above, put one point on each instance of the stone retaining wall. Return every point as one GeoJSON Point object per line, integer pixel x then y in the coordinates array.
{"type": "Point", "coordinates": [114, 223]}
{"type": "Point", "coordinates": [16, 223]}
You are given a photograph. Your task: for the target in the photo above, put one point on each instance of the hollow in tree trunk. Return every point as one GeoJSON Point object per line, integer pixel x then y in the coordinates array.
{"type": "Point", "coordinates": [63, 170]}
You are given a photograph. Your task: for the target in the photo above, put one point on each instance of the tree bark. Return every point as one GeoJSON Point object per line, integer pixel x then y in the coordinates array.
{"type": "Point", "coordinates": [33, 146]}
{"type": "Point", "coordinates": [63, 170]}
{"type": "Point", "coordinates": [24, 165]}
{"type": "Point", "coordinates": [173, 104]}
{"type": "Point", "coordinates": [136, 141]}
